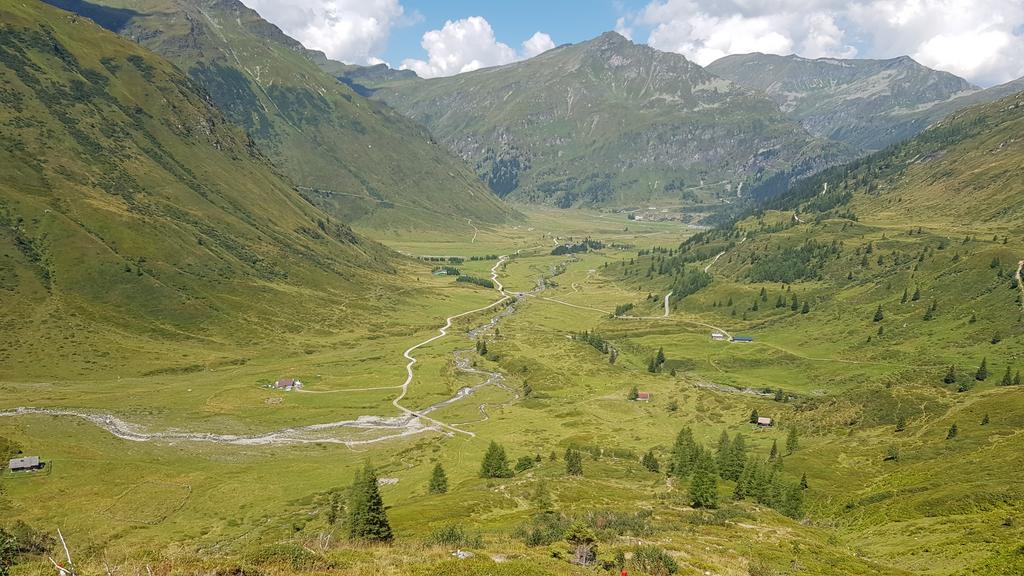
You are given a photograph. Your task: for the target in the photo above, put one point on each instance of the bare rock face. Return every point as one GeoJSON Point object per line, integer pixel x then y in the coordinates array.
{"type": "Point", "coordinates": [867, 104]}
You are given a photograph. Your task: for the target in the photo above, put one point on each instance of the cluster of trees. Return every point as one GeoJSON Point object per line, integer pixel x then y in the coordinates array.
{"type": "Point", "coordinates": [496, 462]}
{"type": "Point", "coordinates": [792, 263]}
{"type": "Point", "coordinates": [582, 246]}
{"type": "Point", "coordinates": [485, 282]}
{"type": "Point", "coordinates": [481, 347]}
{"type": "Point", "coordinates": [595, 340]}
{"type": "Point", "coordinates": [623, 308]}
{"type": "Point", "coordinates": [755, 479]}
{"type": "Point", "coordinates": [448, 259]}
{"type": "Point", "coordinates": [656, 362]}
{"type": "Point", "coordinates": [448, 270]}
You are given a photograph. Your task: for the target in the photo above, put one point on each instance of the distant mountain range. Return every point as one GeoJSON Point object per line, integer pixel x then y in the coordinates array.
{"type": "Point", "coordinates": [605, 122]}
{"type": "Point", "coordinates": [358, 160]}
{"type": "Point", "coordinates": [615, 123]}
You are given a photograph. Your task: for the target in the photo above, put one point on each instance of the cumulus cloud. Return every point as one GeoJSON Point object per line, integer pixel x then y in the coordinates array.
{"type": "Point", "coordinates": [537, 44]}
{"type": "Point", "coordinates": [982, 40]}
{"type": "Point", "coordinates": [469, 44]}
{"type": "Point", "coordinates": [353, 31]}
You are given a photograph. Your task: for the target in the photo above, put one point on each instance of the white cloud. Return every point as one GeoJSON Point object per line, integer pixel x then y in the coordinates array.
{"type": "Point", "coordinates": [980, 40]}
{"type": "Point", "coordinates": [353, 31]}
{"type": "Point", "coordinates": [469, 44]}
{"type": "Point", "coordinates": [537, 44]}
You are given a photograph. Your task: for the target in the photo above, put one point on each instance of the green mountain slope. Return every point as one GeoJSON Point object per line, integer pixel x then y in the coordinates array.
{"type": "Point", "coordinates": [132, 212]}
{"type": "Point", "coordinates": [962, 172]}
{"type": "Point", "coordinates": [359, 160]}
{"type": "Point", "coordinates": [608, 122]}
{"type": "Point", "coordinates": [867, 104]}
{"type": "Point", "coordinates": [873, 303]}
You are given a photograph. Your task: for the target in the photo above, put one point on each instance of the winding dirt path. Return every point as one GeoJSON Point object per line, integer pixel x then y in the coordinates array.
{"type": "Point", "coordinates": [411, 422]}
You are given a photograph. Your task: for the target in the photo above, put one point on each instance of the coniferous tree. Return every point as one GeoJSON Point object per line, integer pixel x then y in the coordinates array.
{"type": "Point", "coordinates": [791, 501]}
{"type": "Point", "coordinates": [901, 423]}
{"type": "Point", "coordinates": [792, 442]}
{"type": "Point", "coordinates": [1016, 378]}
{"type": "Point", "coordinates": [495, 464]}
{"type": "Point", "coordinates": [950, 377]}
{"type": "Point", "coordinates": [573, 462]}
{"type": "Point", "coordinates": [722, 450]}
{"type": "Point", "coordinates": [704, 483]}
{"type": "Point", "coordinates": [634, 393]}
{"type": "Point", "coordinates": [793, 304]}
{"type": "Point", "coordinates": [754, 417]}
{"type": "Point", "coordinates": [982, 372]}
{"type": "Point", "coordinates": [879, 314]}
{"type": "Point", "coordinates": [906, 295]}
{"type": "Point", "coordinates": [917, 294]}
{"type": "Point", "coordinates": [984, 420]}
{"type": "Point", "coordinates": [764, 295]}
{"type": "Point", "coordinates": [684, 454]}
{"type": "Point", "coordinates": [806, 308]}
{"type": "Point", "coordinates": [334, 507]}
{"type": "Point", "coordinates": [742, 489]}
{"type": "Point", "coordinates": [774, 453]}
{"type": "Point", "coordinates": [367, 519]}
{"type": "Point", "coordinates": [1007, 377]}
{"type": "Point", "coordinates": [438, 480]}
{"type": "Point", "coordinates": [650, 461]}
{"type": "Point", "coordinates": [953, 432]}
{"type": "Point", "coordinates": [803, 482]}
{"type": "Point", "coordinates": [736, 459]}
{"type": "Point", "coordinates": [660, 358]}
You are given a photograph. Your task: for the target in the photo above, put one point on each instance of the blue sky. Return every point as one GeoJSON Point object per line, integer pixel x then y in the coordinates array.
{"type": "Point", "coordinates": [512, 22]}
{"type": "Point", "coordinates": [981, 40]}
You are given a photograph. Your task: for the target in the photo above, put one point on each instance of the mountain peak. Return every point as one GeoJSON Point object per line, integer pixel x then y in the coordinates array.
{"type": "Point", "coordinates": [610, 39]}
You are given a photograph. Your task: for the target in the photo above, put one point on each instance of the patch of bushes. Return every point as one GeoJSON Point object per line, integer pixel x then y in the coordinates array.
{"type": "Point", "coordinates": [454, 536]}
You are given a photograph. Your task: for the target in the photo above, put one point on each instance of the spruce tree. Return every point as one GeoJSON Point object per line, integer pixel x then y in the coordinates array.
{"type": "Point", "coordinates": [753, 417]}
{"type": "Point", "coordinates": [438, 480]}
{"type": "Point", "coordinates": [950, 377]}
{"type": "Point", "coordinates": [742, 489]}
{"type": "Point", "coordinates": [650, 461]}
{"type": "Point", "coordinates": [1016, 378]}
{"type": "Point", "coordinates": [764, 295]}
{"type": "Point", "coordinates": [736, 459]}
{"type": "Point", "coordinates": [953, 431]}
{"type": "Point", "coordinates": [774, 453]}
{"type": "Point", "coordinates": [917, 294]}
{"type": "Point", "coordinates": [793, 304]}
{"type": "Point", "coordinates": [984, 420]}
{"type": "Point", "coordinates": [1007, 377]}
{"type": "Point", "coordinates": [792, 441]}
{"type": "Point", "coordinates": [792, 501]}
{"type": "Point", "coordinates": [704, 484]}
{"type": "Point", "coordinates": [367, 519]}
{"type": "Point", "coordinates": [803, 481]}
{"type": "Point", "coordinates": [879, 314]}
{"type": "Point", "coordinates": [684, 454]}
{"type": "Point", "coordinates": [660, 358]}
{"type": "Point", "coordinates": [495, 464]}
{"type": "Point", "coordinates": [901, 423]}
{"type": "Point", "coordinates": [573, 462]}
{"type": "Point", "coordinates": [982, 372]}
{"type": "Point", "coordinates": [906, 295]}
{"type": "Point", "coordinates": [806, 308]}
{"type": "Point", "coordinates": [634, 393]}
{"type": "Point", "coordinates": [722, 450]}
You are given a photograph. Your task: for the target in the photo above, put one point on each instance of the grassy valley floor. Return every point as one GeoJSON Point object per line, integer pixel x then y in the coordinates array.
{"type": "Point", "coordinates": [181, 506]}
